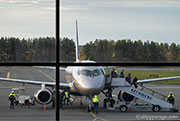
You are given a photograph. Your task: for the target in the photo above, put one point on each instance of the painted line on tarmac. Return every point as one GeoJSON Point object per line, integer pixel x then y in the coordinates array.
{"type": "Point", "coordinates": [97, 118]}
{"type": "Point", "coordinates": [8, 75]}
{"type": "Point", "coordinates": [47, 75]}
{"type": "Point", "coordinates": [94, 119]}
{"type": "Point", "coordinates": [93, 114]}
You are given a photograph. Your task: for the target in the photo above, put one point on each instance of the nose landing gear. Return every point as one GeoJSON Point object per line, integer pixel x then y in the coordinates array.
{"type": "Point", "coordinates": [90, 105]}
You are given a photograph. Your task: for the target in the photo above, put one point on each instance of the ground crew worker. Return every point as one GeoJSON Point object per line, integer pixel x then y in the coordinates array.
{"type": "Point", "coordinates": [96, 104]}
{"type": "Point", "coordinates": [114, 73]}
{"type": "Point", "coordinates": [128, 78]}
{"type": "Point", "coordinates": [122, 74]}
{"type": "Point", "coordinates": [12, 98]}
{"type": "Point", "coordinates": [171, 98]}
{"type": "Point", "coordinates": [67, 96]}
{"type": "Point", "coordinates": [135, 82]}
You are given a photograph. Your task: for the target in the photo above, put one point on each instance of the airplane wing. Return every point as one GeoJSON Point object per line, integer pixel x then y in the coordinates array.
{"type": "Point", "coordinates": [157, 79]}
{"type": "Point", "coordinates": [51, 84]}
{"type": "Point", "coordinates": [53, 68]}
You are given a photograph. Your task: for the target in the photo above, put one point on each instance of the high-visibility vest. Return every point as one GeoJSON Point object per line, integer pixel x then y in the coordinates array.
{"type": "Point", "coordinates": [66, 95]}
{"type": "Point", "coordinates": [170, 96]}
{"type": "Point", "coordinates": [95, 99]}
{"type": "Point", "coordinates": [12, 95]}
{"type": "Point", "coordinates": [116, 71]}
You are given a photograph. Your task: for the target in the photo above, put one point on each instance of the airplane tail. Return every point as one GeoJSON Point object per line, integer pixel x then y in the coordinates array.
{"type": "Point", "coordinates": [77, 44]}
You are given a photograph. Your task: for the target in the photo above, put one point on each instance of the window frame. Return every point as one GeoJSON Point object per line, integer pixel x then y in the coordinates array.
{"type": "Point", "coordinates": [57, 64]}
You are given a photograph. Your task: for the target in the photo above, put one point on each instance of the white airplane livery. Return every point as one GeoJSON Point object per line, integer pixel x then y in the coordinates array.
{"type": "Point", "coordinates": [80, 80]}
{"type": "Point", "coordinates": [87, 80]}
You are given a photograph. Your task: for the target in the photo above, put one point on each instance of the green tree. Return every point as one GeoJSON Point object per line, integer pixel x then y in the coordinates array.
{"type": "Point", "coordinates": [67, 50]}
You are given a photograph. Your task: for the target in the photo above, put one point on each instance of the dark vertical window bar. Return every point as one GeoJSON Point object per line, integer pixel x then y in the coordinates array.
{"type": "Point", "coordinates": [57, 60]}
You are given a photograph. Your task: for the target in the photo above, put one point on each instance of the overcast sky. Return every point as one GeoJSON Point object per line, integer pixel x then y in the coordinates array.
{"type": "Point", "coordinates": [156, 20]}
{"type": "Point", "coordinates": [27, 18]}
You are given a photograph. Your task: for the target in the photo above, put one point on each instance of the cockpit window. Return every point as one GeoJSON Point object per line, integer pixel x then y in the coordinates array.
{"type": "Point", "coordinates": [96, 72]}
{"type": "Point", "coordinates": [84, 72]}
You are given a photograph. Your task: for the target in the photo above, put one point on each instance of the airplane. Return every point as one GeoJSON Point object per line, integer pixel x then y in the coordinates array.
{"type": "Point", "coordinates": [80, 81]}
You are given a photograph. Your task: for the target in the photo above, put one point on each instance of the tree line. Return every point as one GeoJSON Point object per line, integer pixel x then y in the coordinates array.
{"type": "Point", "coordinates": [130, 51]}
{"type": "Point", "coordinates": [100, 50]}
{"type": "Point", "coordinates": [27, 50]}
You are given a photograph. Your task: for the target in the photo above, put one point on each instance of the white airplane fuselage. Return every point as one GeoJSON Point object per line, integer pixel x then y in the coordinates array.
{"type": "Point", "coordinates": [86, 81]}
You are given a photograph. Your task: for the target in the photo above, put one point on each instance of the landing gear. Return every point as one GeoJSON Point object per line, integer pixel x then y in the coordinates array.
{"type": "Point", "coordinates": [105, 103]}
{"type": "Point", "coordinates": [90, 106]}
{"type": "Point", "coordinates": [81, 103]}
{"type": "Point", "coordinates": [109, 99]}
{"type": "Point", "coordinates": [53, 103]}
{"type": "Point", "coordinates": [109, 103]}
{"type": "Point", "coordinates": [54, 98]}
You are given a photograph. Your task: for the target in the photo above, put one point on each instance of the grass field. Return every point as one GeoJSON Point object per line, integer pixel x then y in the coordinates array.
{"type": "Point", "coordinates": [146, 75]}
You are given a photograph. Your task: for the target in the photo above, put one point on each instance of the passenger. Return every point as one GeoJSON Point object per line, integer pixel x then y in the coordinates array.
{"type": "Point", "coordinates": [135, 82]}
{"type": "Point", "coordinates": [96, 104]}
{"type": "Point", "coordinates": [67, 98]}
{"type": "Point", "coordinates": [12, 98]}
{"type": "Point", "coordinates": [128, 78]}
{"type": "Point", "coordinates": [122, 74]}
{"type": "Point", "coordinates": [171, 98]}
{"type": "Point", "coordinates": [114, 73]}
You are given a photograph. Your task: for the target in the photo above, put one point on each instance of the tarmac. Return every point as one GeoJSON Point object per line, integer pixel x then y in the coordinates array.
{"type": "Point", "coordinates": [75, 112]}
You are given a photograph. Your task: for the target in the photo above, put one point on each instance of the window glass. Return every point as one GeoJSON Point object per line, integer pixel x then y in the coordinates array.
{"type": "Point", "coordinates": [27, 31]}
{"type": "Point", "coordinates": [89, 73]}
{"type": "Point", "coordinates": [86, 72]}
{"type": "Point", "coordinates": [96, 72]}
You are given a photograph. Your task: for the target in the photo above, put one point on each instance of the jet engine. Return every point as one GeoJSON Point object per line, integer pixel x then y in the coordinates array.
{"type": "Point", "coordinates": [43, 96]}
{"type": "Point", "coordinates": [123, 96]}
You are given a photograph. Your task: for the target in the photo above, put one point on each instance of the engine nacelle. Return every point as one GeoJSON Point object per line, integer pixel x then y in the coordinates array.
{"type": "Point", "coordinates": [123, 96]}
{"type": "Point", "coordinates": [43, 96]}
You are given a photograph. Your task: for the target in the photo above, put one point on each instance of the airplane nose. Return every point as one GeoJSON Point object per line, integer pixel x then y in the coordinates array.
{"type": "Point", "coordinates": [93, 86]}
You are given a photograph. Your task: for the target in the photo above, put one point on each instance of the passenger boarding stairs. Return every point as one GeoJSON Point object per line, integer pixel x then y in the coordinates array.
{"type": "Point", "coordinates": [150, 96]}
